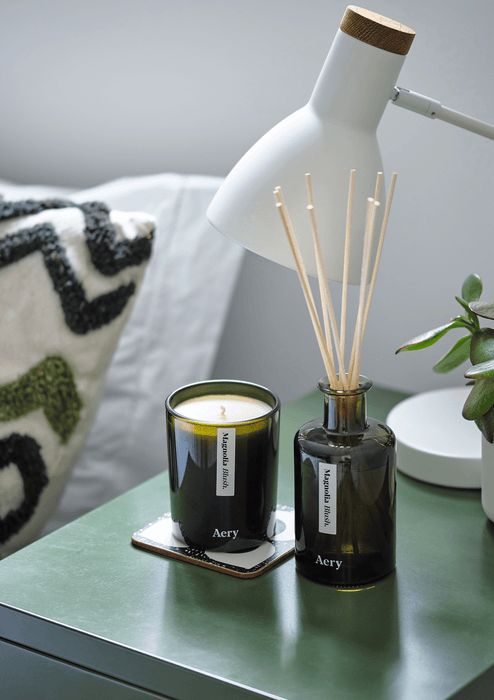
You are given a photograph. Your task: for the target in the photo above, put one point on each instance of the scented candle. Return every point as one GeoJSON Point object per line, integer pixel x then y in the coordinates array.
{"type": "Point", "coordinates": [223, 451]}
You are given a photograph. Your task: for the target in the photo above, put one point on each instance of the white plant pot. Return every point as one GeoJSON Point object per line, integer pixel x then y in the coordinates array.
{"type": "Point", "coordinates": [488, 478]}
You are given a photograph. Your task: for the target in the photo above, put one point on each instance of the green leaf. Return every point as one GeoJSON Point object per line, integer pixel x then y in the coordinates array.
{"type": "Point", "coordinates": [482, 346]}
{"type": "Point", "coordinates": [479, 400]}
{"type": "Point", "coordinates": [472, 288]}
{"type": "Point", "coordinates": [464, 304]}
{"type": "Point", "coordinates": [427, 339]}
{"type": "Point", "coordinates": [458, 354]}
{"type": "Point", "coordinates": [482, 308]}
{"type": "Point", "coordinates": [486, 425]}
{"type": "Point", "coordinates": [471, 315]}
{"type": "Point", "coordinates": [481, 371]}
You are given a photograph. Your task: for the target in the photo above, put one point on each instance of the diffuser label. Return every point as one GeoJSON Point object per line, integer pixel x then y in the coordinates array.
{"type": "Point", "coordinates": [225, 462]}
{"type": "Point", "coordinates": [327, 498]}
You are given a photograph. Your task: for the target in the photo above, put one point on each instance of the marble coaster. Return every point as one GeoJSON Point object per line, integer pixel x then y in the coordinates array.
{"type": "Point", "coordinates": [157, 537]}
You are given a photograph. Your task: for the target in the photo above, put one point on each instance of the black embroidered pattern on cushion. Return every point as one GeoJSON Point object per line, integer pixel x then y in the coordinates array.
{"type": "Point", "coordinates": [25, 453]}
{"type": "Point", "coordinates": [80, 314]}
{"type": "Point", "coordinates": [26, 207]}
{"type": "Point", "coordinates": [108, 255]}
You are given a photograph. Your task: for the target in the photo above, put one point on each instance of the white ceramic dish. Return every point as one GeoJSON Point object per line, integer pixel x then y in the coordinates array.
{"type": "Point", "coordinates": [434, 442]}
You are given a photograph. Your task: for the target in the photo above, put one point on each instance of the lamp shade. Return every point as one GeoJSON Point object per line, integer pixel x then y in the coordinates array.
{"type": "Point", "coordinates": [333, 134]}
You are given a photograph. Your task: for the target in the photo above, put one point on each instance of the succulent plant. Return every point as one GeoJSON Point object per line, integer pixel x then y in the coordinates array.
{"type": "Point", "coordinates": [477, 346]}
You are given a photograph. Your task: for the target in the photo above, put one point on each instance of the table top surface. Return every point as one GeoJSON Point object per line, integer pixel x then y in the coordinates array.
{"type": "Point", "coordinates": [85, 594]}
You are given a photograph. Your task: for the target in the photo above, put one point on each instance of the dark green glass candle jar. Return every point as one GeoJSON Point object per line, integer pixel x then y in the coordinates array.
{"type": "Point", "coordinates": [345, 484]}
{"type": "Point", "coordinates": [223, 464]}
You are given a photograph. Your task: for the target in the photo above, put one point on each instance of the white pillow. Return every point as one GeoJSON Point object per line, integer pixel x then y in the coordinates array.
{"type": "Point", "coordinates": [69, 274]}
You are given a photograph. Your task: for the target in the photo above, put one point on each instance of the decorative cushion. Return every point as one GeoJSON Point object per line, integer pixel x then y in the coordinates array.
{"type": "Point", "coordinates": [69, 274]}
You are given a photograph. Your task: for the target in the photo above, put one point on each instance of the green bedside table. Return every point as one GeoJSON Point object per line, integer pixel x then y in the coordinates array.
{"type": "Point", "coordinates": [84, 614]}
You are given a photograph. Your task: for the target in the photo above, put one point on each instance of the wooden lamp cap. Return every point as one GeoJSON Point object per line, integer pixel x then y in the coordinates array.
{"type": "Point", "coordinates": [377, 30]}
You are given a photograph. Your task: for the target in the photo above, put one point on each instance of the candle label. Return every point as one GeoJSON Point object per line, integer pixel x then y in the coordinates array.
{"type": "Point", "coordinates": [225, 462]}
{"type": "Point", "coordinates": [327, 498]}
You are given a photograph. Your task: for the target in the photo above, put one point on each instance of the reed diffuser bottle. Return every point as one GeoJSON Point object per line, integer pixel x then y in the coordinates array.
{"type": "Point", "coordinates": [345, 481]}
{"type": "Point", "coordinates": [345, 465]}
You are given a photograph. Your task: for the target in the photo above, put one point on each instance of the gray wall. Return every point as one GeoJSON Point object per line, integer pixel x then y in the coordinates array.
{"type": "Point", "coordinates": [102, 88]}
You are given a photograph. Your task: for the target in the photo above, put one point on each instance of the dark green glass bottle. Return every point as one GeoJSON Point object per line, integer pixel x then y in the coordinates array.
{"type": "Point", "coordinates": [345, 485]}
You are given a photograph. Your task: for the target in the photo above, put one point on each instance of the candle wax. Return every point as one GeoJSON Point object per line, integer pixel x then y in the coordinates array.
{"type": "Point", "coordinates": [222, 408]}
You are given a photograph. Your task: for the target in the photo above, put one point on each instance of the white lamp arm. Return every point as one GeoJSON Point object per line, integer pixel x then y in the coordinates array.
{"type": "Point", "coordinates": [435, 110]}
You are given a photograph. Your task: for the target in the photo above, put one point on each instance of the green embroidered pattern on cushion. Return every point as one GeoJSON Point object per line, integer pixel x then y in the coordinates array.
{"type": "Point", "coordinates": [48, 385]}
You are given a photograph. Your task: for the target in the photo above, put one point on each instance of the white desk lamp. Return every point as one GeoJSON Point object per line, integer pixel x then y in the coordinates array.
{"type": "Point", "coordinates": [333, 134]}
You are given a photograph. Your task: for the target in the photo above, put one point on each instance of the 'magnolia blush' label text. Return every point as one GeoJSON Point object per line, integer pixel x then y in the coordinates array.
{"type": "Point", "coordinates": [327, 498]}
{"type": "Point", "coordinates": [225, 462]}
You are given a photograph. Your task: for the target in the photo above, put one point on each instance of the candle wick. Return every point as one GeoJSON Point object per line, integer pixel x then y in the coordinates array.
{"type": "Point", "coordinates": [222, 410]}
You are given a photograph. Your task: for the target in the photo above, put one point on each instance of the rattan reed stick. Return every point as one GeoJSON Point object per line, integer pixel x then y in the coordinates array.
{"type": "Point", "coordinates": [346, 260]}
{"type": "Point", "coordinates": [326, 300]}
{"type": "Point", "coordinates": [377, 192]}
{"type": "Point", "coordinates": [323, 292]}
{"type": "Point", "coordinates": [328, 364]}
{"type": "Point", "coordinates": [354, 367]}
{"type": "Point", "coordinates": [379, 249]}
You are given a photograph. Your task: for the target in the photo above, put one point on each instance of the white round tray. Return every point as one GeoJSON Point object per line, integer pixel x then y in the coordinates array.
{"type": "Point", "coordinates": [434, 442]}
